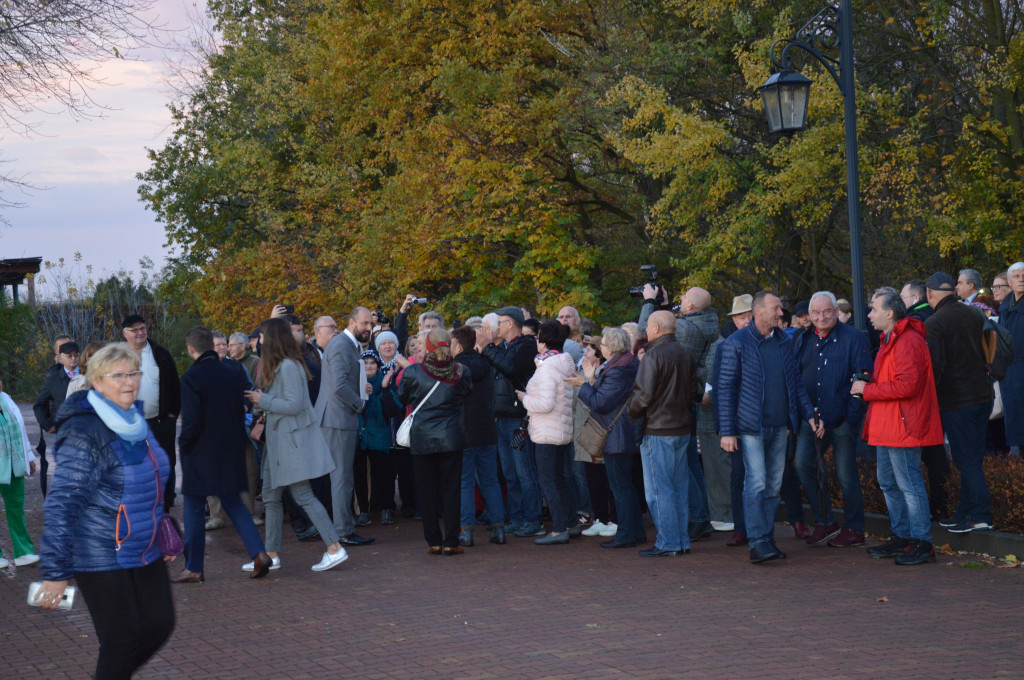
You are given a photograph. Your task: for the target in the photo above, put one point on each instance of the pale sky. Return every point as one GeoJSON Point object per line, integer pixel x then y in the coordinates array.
{"type": "Point", "coordinates": [88, 167]}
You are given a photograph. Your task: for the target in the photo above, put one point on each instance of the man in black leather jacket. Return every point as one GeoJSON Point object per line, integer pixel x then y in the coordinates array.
{"type": "Point", "coordinates": [512, 355]}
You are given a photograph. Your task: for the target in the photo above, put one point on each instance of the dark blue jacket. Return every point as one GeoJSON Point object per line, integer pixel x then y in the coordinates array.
{"type": "Point", "coordinates": [213, 436]}
{"type": "Point", "coordinates": [104, 490]}
{"type": "Point", "coordinates": [605, 397]}
{"type": "Point", "coordinates": [741, 383]}
{"type": "Point", "coordinates": [826, 368]}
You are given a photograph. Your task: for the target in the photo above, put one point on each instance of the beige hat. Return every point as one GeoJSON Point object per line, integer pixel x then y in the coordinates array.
{"type": "Point", "coordinates": [741, 304]}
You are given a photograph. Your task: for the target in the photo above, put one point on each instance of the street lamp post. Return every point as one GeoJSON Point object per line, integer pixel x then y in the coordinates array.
{"type": "Point", "coordinates": [785, 95]}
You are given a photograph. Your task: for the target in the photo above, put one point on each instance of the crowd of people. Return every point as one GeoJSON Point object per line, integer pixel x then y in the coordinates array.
{"type": "Point", "coordinates": [704, 425]}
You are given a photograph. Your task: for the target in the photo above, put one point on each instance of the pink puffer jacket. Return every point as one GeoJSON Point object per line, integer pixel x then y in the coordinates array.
{"type": "Point", "coordinates": [549, 401]}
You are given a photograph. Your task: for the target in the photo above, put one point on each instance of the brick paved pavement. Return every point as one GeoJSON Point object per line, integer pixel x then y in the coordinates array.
{"type": "Point", "coordinates": [576, 611]}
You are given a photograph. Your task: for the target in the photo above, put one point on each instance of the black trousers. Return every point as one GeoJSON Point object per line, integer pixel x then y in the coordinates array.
{"type": "Point", "coordinates": [165, 431]}
{"type": "Point", "coordinates": [936, 463]}
{"type": "Point", "coordinates": [439, 487]}
{"type": "Point", "coordinates": [43, 465]}
{"type": "Point", "coordinates": [406, 480]}
{"type": "Point", "coordinates": [361, 484]}
{"type": "Point", "coordinates": [133, 615]}
{"type": "Point", "coordinates": [383, 469]}
{"type": "Point", "coordinates": [601, 500]}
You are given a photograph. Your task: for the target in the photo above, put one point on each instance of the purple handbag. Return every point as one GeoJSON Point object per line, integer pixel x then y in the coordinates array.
{"type": "Point", "coordinates": [168, 532]}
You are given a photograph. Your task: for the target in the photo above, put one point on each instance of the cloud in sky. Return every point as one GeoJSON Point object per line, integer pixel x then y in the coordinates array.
{"type": "Point", "coordinates": [85, 169]}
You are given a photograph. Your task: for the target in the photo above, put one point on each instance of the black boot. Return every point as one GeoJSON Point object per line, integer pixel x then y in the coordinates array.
{"type": "Point", "coordinates": [466, 537]}
{"type": "Point", "coordinates": [498, 534]}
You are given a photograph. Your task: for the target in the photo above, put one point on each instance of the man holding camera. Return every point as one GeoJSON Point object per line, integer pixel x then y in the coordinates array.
{"type": "Point", "coordinates": [696, 330]}
{"type": "Point", "coordinates": [903, 416]}
{"type": "Point", "coordinates": [827, 356]}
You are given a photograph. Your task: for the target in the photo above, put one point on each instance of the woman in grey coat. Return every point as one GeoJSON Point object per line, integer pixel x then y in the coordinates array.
{"type": "Point", "coordinates": [295, 449]}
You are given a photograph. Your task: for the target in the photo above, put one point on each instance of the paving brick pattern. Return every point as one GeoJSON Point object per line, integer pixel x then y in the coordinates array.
{"type": "Point", "coordinates": [551, 612]}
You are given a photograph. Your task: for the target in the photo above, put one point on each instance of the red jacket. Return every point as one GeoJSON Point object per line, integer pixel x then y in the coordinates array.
{"type": "Point", "coordinates": [903, 409]}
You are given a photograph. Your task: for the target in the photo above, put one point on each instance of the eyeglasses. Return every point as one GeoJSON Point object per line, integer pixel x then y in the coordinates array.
{"type": "Point", "coordinates": [121, 376]}
{"type": "Point", "coordinates": [501, 321]}
{"type": "Point", "coordinates": [140, 329]}
{"type": "Point", "coordinates": [332, 327]}
{"type": "Point", "coordinates": [1000, 285]}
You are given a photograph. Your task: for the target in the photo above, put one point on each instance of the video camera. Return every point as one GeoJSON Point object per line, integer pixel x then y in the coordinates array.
{"type": "Point", "coordinates": [652, 278]}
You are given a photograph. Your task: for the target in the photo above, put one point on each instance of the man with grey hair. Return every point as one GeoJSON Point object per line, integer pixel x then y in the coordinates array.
{"type": "Point", "coordinates": [568, 316]}
{"type": "Point", "coordinates": [968, 285]}
{"type": "Point", "coordinates": [428, 321]}
{"type": "Point", "coordinates": [827, 356]}
{"type": "Point", "coordinates": [324, 330]}
{"type": "Point", "coordinates": [1011, 316]}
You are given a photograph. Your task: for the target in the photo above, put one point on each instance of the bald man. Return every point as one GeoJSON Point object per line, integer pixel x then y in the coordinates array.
{"type": "Point", "coordinates": [696, 330]}
{"type": "Point", "coordinates": [665, 393]}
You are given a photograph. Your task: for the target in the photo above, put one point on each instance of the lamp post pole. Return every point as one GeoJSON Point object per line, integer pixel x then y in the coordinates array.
{"type": "Point", "coordinates": [830, 29]}
{"type": "Point", "coordinates": [848, 87]}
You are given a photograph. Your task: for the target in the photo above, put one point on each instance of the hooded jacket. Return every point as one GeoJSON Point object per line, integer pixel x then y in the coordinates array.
{"type": "Point", "coordinates": [548, 401]}
{"type": "Point", "coordinates": [104, 490]}
{"type": "Point", "coordinates": [903, 410]}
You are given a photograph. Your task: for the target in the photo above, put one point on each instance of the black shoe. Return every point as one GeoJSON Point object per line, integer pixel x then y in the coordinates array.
{"type": "Point", "coordinates": [466, 537]}
{"type": "Point", "coordinates": [310, 534]}
{"type": "Point", "coordinates": [613, 544]}
{"type": "Point", "coordinates": [782, 555]}
{"type": "Point", "coordinates": [918, 552]}
{"type": "Point", "coordinates": [950, 521]}
{"type": "Point", "coordinates": [386, 517]}
{"type": "Point", "coordinates": [658, 552]}
{"type": "Point", "coordinates": [700, 530]}
{"type": "Point", "coordinates": [894, 547]}
{"type": "Point", "coordinates": [763, 554]}
{"type": "Point", "coordinates": [356, 539]}
{"type": "Point", "coordinates": [498, 534]}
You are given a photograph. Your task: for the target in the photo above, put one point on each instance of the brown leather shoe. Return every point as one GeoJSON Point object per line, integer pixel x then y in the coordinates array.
{"type": "Point", "coordinates": [261, 565]}
{"type": "Point", "coordinates": [739, 538]}
{"type": "Point", "coordinates": [434, 550]}
{"type": "Point", "coordinates": [187, 576]}
{"type": "Point", "coordinates": [454, 551]}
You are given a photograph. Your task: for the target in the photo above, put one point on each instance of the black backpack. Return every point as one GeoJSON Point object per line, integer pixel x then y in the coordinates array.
{"type": "Point", "coordinates": [998, 344]}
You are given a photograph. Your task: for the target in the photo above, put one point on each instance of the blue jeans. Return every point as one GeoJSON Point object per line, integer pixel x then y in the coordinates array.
{"type": "Point", "coordinates": [844, 442]}
{"type": "Point", "coordinates": [698, 493]}
{"type": "Point", "coordinates": [520, 470]}
{"type": "Point", "coordinates": [764, 460]}
{"type": "Point", "coordinates": [195, 528]}
{"type": "Point", "coordinates": [619, 467]}
{"type": "Point", "coordinates": [667, 485]}
{"type": "Point", "coordinates": [965, 429]}
{"type": "Point", "coordinates": [736, 474]}
{"type": "Point", "coordinates": [480, 466]}
{"type": "Point", "coordinates": [553, 482]}
{"type": "Point", "coordinates": [899, 475]}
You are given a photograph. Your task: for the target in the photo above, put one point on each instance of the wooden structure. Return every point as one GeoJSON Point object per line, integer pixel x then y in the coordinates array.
{"type": "Point", "coordinates": [14, 272]}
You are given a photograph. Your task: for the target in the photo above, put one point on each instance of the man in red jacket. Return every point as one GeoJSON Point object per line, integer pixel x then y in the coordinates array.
{"type": "Point", "coordinates": [903, 416]}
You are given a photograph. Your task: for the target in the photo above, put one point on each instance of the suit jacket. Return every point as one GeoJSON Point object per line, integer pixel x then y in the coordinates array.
{"type": "Point", "coordinates": [339, 402]}
{"type": "Point", "coordinates": [170, 385]}
{"type": "Point", "coordinates": [213, 437]}
{"type": "Point", "coordinates": [296, 449]}
{"type": "Point", "coordinates": [55, 390]}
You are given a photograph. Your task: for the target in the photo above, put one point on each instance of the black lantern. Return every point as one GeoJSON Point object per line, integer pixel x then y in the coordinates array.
{"type": "Point", "coordinates": [785, 95]}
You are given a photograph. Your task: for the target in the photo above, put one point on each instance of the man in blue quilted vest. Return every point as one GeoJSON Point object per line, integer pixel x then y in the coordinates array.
{"type": "Point", "coordinates": [761, 398]}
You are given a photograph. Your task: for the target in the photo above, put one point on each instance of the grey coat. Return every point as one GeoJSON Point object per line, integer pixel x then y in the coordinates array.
{"type": "Point", "coordinates": [295, 449]}
{"type": "Point", "coordinates": [340, 402]}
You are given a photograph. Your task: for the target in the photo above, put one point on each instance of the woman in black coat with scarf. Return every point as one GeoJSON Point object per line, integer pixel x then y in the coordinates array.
{"type": "Point", "coordinates": [605, 397]}
{"type": "Point", "coordinates": [437, 438]}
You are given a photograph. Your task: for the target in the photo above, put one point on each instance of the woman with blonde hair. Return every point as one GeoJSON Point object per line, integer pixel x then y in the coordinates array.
{"type": "Point", "coordinates": [295, 449]}
{"type": "Point", "coordinates": [436, 388]}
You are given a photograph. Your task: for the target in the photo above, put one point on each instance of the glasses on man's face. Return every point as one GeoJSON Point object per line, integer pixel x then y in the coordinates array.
{"type": "Point", "coordinates": [140, 329]}
{"type": "Point", "coordinates": [333, 328]}
{"type": "Point", "coordinates": [503, 321]}
{"type": "Point", "coordinates": [1000, 285]}
{"type": "Point", "coordinates": [121, 376]}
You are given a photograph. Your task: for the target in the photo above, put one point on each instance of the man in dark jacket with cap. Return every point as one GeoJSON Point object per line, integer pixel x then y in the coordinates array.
{"type": "Point", "coordinates": [965, 397]}
{"type": "Point", "coordinates": [512, 355]}
{"type": "Point", "coordinates": [55, 389]}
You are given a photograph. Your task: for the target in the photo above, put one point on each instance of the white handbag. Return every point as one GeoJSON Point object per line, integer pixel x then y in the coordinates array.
{"type": "Point", "coordinates": [404, 436]}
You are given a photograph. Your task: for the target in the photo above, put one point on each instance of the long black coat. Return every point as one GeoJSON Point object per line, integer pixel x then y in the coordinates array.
{"type": "Point", "coordinates": [55, 389]}
{"type": "Point", "coordinates": [213, 436]}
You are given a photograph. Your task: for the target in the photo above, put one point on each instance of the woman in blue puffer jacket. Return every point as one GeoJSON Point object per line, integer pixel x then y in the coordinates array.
{"type": "Point", "coordinates": [102, 512]}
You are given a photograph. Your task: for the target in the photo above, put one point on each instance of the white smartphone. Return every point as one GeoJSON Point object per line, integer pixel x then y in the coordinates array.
{"type": "Point", "coordinates": [66, 602]}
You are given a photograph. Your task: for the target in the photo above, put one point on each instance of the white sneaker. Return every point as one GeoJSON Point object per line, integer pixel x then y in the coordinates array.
{"type": "Point", "coordinates": [25, 560]}
{"type": "Point", "coordinates": [214, 523]}
{"type": "Point", "coordinates": [723, 526]}
{"type": "Point", "coordinates": [3, 563]}
{"type": "Point", "coordinates": [258, 521]}
{"type": "Point", "coordinates": [594, 529]}
{"type": "Point", "coordinates": [275, 563]}
{"type": "Point", "coordinates": [330, 561]}
{"type": "Point", "coordinates": [609, 529]}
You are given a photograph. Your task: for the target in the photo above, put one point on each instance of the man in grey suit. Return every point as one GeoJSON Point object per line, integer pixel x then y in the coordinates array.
{"type": "Point", "coordinates": [342, 397]}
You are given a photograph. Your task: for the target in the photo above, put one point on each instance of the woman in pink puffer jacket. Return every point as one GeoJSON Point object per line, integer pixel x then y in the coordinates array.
{"type": "Point", "coordinates": [548, 402]}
